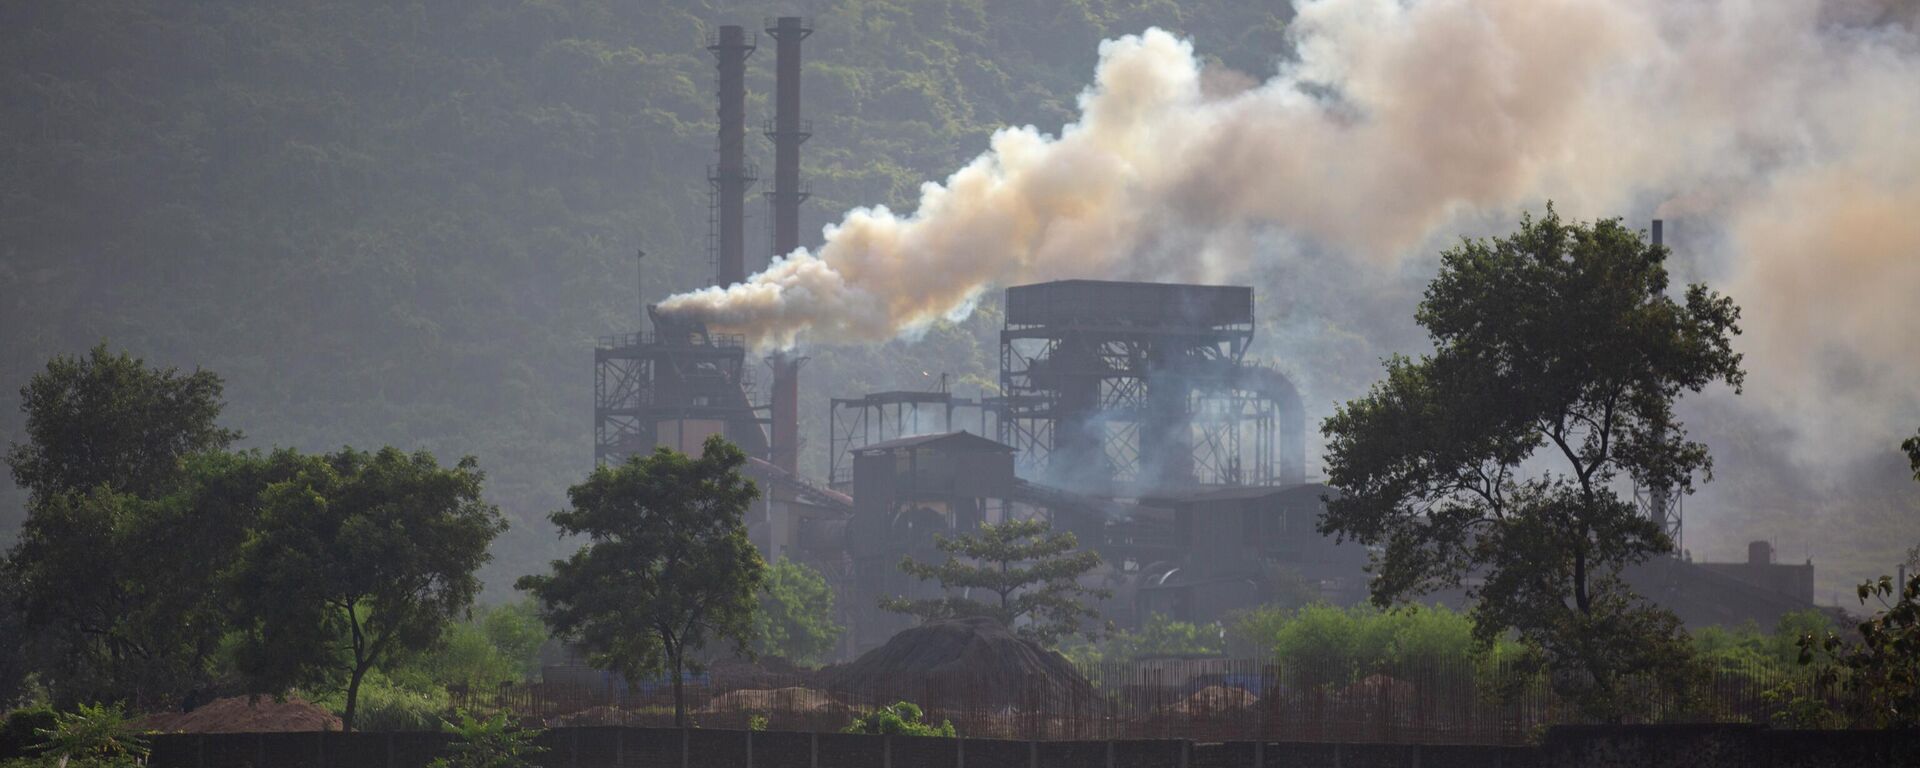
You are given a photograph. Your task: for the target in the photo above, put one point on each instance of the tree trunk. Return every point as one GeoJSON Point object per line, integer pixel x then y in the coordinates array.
{"type": "Point", "coordinates": [679, 694]}
{"type": "Point", "coordinates": [353, 698]}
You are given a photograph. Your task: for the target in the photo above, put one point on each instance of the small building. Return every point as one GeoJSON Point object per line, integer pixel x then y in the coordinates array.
{"type": "Point", "coordinates": [905, 491]}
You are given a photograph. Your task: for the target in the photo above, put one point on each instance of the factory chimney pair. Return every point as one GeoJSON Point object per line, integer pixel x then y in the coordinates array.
{"type": "Point", "coordinates": [731, 177]}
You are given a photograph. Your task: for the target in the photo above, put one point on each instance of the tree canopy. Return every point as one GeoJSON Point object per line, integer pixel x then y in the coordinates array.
{"type": "Point", "coordinates": [667, 568]}
{"type": "Point", "coordinates": [133, 511]}
{"type": "Point", "coordinates": [795, 617]}
{"type": "Point", "coordinates": [1557, 348]}
{"type": "Point", "coordinates": [359, 557]}
{"type": "Point", "coordinates": [1028, 572]}
{"type": "Point", "coordinates": [106, 419]}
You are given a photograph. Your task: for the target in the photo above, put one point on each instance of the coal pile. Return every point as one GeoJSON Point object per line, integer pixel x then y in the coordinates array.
{"type": "Point", "coordinates": [973, 662]}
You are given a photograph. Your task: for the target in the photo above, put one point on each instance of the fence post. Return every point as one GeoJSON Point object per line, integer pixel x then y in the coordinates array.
{"type": "Point", "coordinates": [1033, 755]}
{"type": "Point", "coordinates": [320, 748]}
{"type": "Point", "coordinates": [960, 752]}
{"type": "Point", "coordinates": [886, 751]}
{"type": "Point", "coordinates": [750, 748]}
{"type": "Point", "coordinates": [620, 747]}
{"type": "Point", "coordinates": [260, 750]}
{"type": "Point", "coordinates": [1259, 754]}
{"type": "Point", "coordinates": [1109, 753]}
{"type": "Point", "coordinates": [813, 749]}
{"type": "Point", "coordinates": [683, 747]}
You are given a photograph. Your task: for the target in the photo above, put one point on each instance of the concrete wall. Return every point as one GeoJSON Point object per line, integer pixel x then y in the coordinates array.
{"type": "Point", "coordinates": [1578, 747]}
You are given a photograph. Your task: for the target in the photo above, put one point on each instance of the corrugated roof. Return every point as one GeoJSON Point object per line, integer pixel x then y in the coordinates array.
{"type": "Point", "coordinates": [960, 441]}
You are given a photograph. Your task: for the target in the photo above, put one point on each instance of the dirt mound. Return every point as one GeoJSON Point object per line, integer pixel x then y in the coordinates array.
{"type": "Point", "coordinates": [1217, 698]}
{"type": "Point", "coordinates": [973, 662]}
{"type": "Point", "coordinates": [778, 700]}
{"type": "Point", "coordinates": [767, 673]}
{"type": "Point", "coordinates": [593, 716]}
{"type": "Point", "coordinates": [242, 714]}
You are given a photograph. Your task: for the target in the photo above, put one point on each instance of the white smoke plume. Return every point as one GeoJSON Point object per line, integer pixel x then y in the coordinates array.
{"type": "Point", "coordinates": [1398, 124]}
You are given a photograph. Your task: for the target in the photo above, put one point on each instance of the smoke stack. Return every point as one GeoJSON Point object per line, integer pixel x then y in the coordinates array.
{"type": "Point", "coordinates": [1658, 239]}
{"type": "Point", "coordinates": [787, 131]}
{"type": "Point", "coordinates": [731, 175]}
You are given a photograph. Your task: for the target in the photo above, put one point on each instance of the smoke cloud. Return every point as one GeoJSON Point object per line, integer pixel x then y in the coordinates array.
{"type": "Point", "coordinates": [1395, 125]}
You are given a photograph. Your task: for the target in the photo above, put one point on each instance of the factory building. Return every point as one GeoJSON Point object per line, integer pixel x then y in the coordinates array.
{"type": "Point", "coordinates": [1127, 413]}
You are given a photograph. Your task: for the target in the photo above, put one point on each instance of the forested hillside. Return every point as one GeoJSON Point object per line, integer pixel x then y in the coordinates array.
{"type": "Point", "coordinates": [407, 222]}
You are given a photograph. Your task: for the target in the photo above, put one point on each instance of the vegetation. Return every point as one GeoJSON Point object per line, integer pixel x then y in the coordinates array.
{"type": "Point", "coordinates": [90, 736]}
{"type": "Point", "coordinates": [126, 528]}
{"type": "Point", "coordinates": [899, 719]}
{"type": "Point", "coordinates": [487, 743]}
{"type": "Point", "coordinates": [1158, 636]}
{"type": "Point", "coordinates": [1557, 345]}
{"type": "Point", "coordinates": [795, 616]}
{"type": "Point", "coordinates": [667, 569]}
{"type": "Point", "coordinates": [1879, 671]}
{"type": "Point", "coordinates": [1030, 574]}
{"type": "Point", "coordinates": [359, 558]}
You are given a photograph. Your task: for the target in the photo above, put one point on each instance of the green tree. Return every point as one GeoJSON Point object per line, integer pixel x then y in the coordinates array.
{"type": "Point", "coordinates": [1029, 573]}
{"type": "Point", "coordinates": [360, 558]}
{"type": "Point", "coordinates": [1557, 347]}
{"type": "Point", "coordinates": [1158, 636]}
{"type": "Point", "coordinates": [1880, 669]}
{"type": "Point", "coordinates": [795, 619]}
{"type": "Point", "coordinates": [668, 567]}
{"type": "Point", "coordinates": [130, 514]}
{"type": "Point", "coordinates": [1912, 447]}
{"type": "Point", "coordinates": [108, 420]}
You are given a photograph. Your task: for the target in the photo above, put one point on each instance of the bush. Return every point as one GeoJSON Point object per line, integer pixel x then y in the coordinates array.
{"type": "Point", "coordinates": [88, 737]}
{"type": "Point", "coordinates": [387, 705]}
{"type": "Point", "coordinates": [20, 733]}
{"type": "Point", "coordinates": [901, 719]}
{"type": "Point", "coordinates": [491, 743]}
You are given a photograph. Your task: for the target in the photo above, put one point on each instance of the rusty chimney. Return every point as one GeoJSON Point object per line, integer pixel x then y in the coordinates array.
{"type": "Point", "coordinates": [731, 175]}
{"type": "Point", "coordinates": [787, 131]}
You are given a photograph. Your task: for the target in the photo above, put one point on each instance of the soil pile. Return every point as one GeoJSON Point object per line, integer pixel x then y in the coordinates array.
{"type": "Point", "coordinates": [1217, 698]}
{"type": "Point", "coordinates": [241, 714]}
{"type": "Point", "coordinates": [778, 700]}
{"type": "Point", "coordinates": [971, 662]}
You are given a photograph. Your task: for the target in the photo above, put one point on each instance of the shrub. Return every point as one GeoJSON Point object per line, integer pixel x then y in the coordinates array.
{"type": "Point", "coordinates": [492, 743]}
{"type": "Point", "coordinates": [89, 737]}
{"type": "Point", "coordinates": [21, 732]}
{"type": "Point", "coordinates": [901, 719]}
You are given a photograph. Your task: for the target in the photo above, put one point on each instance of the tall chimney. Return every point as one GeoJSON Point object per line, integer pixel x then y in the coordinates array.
{"type": "Point", "coordinates": [731, 175]}
{"type": "Point", "coordinates": [787, 131]}
{"type": "Point", "coordinates": [1660, 497]}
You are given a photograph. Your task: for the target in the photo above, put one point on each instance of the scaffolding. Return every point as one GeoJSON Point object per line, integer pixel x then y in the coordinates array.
{"type": "Point", "coordinates": [1118, 388]}
{"type": "Point", "coordinates": [672, 387]}
{"type": "Point", "coordinates": [854, 423]}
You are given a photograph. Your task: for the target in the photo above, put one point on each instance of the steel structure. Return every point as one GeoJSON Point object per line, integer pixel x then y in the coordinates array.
{"type": "Point", "coordinates": [855, 423]}
{"type": "Point", "coordinates": [677, 384]}
{"type": "Point", "coordinates": [1116, 388]}
{"type": "Point", "coordinates": [1659, 503]}
{"type": "Point", "coordinates": [787, 131]}
{"type": "Point", "coordinates": [731, 175]}
{"type": "Point", "coordinates": [671, 387]}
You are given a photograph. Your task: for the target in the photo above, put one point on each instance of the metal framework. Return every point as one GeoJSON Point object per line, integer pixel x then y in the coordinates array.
{"type": "Point", "coordinates": [854, 423]}
{"type": "Point", "coordinates": [1123, 387]}
{"type": "Point", "coordinates": [645, 382]}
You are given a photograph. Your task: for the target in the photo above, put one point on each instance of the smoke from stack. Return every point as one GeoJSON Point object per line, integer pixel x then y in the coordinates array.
{"type": "Point", "coordinates": [1792, 124]}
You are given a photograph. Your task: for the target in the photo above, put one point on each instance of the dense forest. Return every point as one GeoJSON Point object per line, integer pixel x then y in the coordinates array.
{"type": "Point", "coordinates": [408, 222]}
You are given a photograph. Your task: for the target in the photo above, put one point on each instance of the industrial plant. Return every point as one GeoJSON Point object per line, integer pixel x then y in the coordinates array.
{"type": "Point", "coordinates": [1128, 413]}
